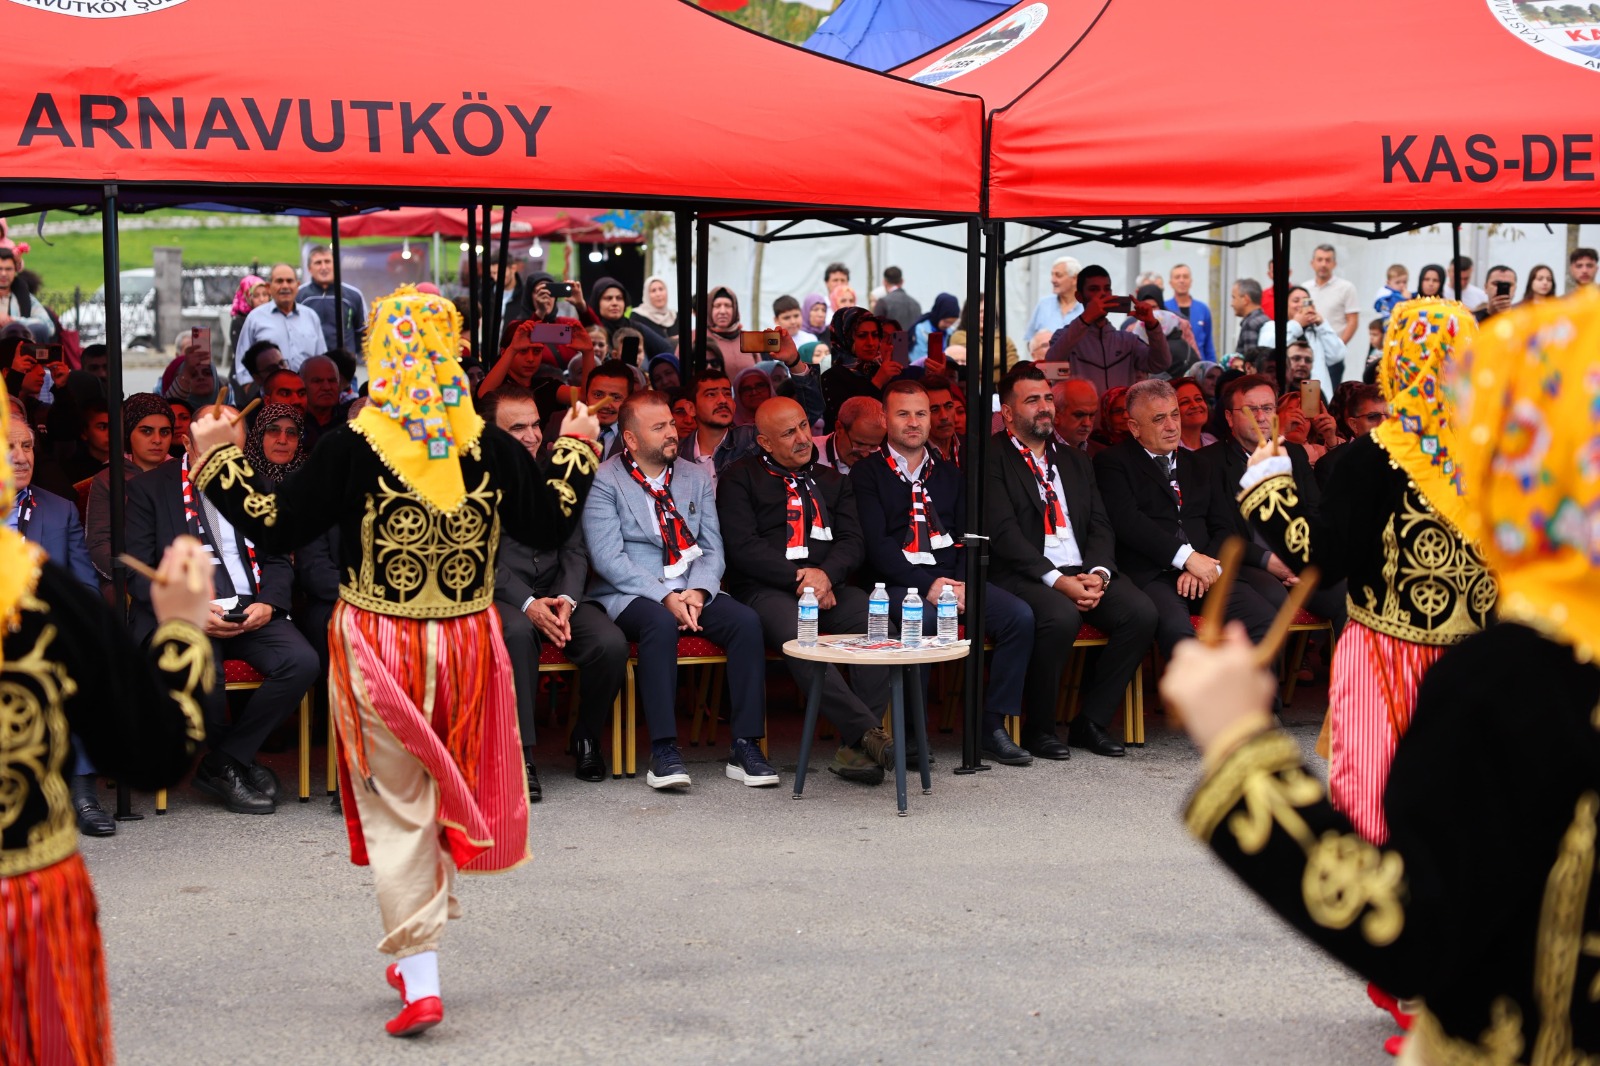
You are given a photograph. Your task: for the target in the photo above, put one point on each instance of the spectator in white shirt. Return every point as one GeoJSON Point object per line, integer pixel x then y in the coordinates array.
{"type": "Point", "coordinates": [295, 330]}
{"type": "Point", "coordinates": [1336, 300]}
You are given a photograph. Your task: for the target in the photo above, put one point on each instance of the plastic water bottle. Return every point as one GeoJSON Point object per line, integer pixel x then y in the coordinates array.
{"type": "Point", "coordinates": [948, 624]}
{"type": "Point", "coordinates": [878, 613]}
{"type": "Point", "coordinates": [911, 619]}
{"type": "Point", "coordinates": [808, 618]}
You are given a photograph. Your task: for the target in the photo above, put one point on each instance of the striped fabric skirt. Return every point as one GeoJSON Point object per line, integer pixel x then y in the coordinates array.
{"type": "Point", "coordinates": [1370, 702]}
{"type": "Point", "coordinates": [54, 1010]}
{"type": "Point", "coordinates": [443, 688]}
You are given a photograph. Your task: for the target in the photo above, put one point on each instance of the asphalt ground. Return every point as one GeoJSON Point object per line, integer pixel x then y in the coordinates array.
{"type": "Point", "coordinates": [1055, 913]}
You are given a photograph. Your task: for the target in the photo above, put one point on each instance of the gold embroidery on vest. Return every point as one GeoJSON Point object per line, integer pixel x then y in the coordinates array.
{"type": "Point", "coordinates": [33, 743]}
{"type": "Point", "coordinates": [419, 562]}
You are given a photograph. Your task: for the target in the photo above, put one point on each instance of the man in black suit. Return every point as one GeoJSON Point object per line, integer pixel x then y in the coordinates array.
{"type": "Point", "coordinates": [252, 589]}
{"type": "Point", "coordinates": [913, 506]}
{"type": "Point", "coordinates": [1052, 546]}
{"type": "Point", "coordinates": [1170, 525]}
{"type": "Point", "coordinates": [798, 529]}
{"type": "Point", "coordinates": [1248, 404]}
{"type": "Point", "coordinates": [52, 523]}
{"type": "Point", "coordinates": [539, 595]}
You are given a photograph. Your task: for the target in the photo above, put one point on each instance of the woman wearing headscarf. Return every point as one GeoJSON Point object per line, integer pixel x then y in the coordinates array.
{"type": "Point", "coordinates": [657, 307]}
{"type": "Point", "coordinates": [751, 389]}
{"type": "Point", "coordinates": [1113, 425]}
{"type": "Point", "coordinates": [722, 332]}
{"type": "Point", "coordinates": [814, 313]}
{"type": "Point", "coordinates": [1482, 904]}
{"type": "Point", "coordinates": [859, 368]}
{"type": "Point", "coordinates": [608, 299]}
{"type": "Point", "coordinates": [242, 306]}
{"type": "Point", "coordinates": [420, 688]}
{"type": "Point", "coordinates": [1430, 281]}
{"type": "Point", "coordinates": [68, 668]}
{"type": "Point", "coordinates": [941, 318]}
{"type": "Point", "coordinates": [536, 302]}
{"type": "Point", "coordinates": [665, 374]}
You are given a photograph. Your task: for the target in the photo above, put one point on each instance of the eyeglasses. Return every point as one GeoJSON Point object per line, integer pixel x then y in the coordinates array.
{"type": "Point", "coordinates": [1372, 418]}
{"type": "Point", "coordinates": [1257, 409]}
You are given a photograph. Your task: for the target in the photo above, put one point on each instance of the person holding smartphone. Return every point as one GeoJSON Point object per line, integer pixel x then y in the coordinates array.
{"type": "Point", "coordinates": [1500, 282]}
{"type": "Point", "coordinates": [1107, 357]}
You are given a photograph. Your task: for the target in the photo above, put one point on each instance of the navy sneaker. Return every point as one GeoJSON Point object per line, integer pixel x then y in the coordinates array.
{"type": "Point", "coordinates": [747, 764]}
{"type": "Point", "coordinates": [667, 769]}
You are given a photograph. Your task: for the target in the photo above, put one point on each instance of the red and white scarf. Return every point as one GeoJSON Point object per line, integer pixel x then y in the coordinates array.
{"type": "Point", "coordinates": [924, 532]}
{"type": "Point", "coordinates": [194, 517]}
{"type": "Point", "coordinates": [678, 548]}
{"type": "Point", "coordinates": [1055, 515]}
{"type": "Point", "coordinates": [800, 490]}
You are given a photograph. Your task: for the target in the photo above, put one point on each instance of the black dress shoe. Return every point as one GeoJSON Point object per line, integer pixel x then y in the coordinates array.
{"type": "Point", "coordinates": [1002, 749]}
{"type": "Point", "coordinates": [1085, 734]}
{"type": "Point", "coordinates": [262, 780]}
{"type": "Point", "coordinates": [1047, 746]}
{"type": "Point", "coordinates": [535, 790]}
{"type": "Point", "coordinates": [226, 778]}
{"type": "Point", "coordinates": [93, 821]}
{"type": "Point", "coordinates": [591, 767]}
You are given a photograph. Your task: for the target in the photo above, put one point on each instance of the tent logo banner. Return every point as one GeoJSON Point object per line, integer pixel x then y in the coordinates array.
{"type": "Point", "coordinates": [985, 48]}
{"type": "Point", "coordinates": [99, 9]}
{"type": "Point", "coordinates": [1570, 32]}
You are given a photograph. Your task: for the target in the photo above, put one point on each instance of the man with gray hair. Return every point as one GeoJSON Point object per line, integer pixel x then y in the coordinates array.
{"type": "Point", "coordinates": [858, 433]}
{"type": "Point", "coordinates": [1169, 524]}
{"type": "Point", "coordinates": [296, 331]}
{"type": "Point", "coordinates": [1246, 301]}
{"type": "Point", "coordinates": [1060, 306]}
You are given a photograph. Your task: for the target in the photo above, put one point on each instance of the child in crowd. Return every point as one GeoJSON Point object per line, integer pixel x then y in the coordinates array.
{"type": "Point", "coordinates": [1396, 289]}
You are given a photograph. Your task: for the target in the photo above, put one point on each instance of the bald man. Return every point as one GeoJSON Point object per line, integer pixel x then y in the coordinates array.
{"type": "Point", "coordinates": [797, 529]}
{"type": "Point", "coordinates": [1077, 406]}
{"type": "Point", "coordinates": [294, 330]}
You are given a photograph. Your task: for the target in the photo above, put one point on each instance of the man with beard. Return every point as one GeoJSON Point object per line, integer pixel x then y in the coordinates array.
{"type": "Point", "coordinates": [1051, 545]}
{"type": "Point", "coordinates": [655, 545]}
{"type": "Point", "coordinates": [717, 441]}
{"type": "Point", "coordinates": [800, 531]}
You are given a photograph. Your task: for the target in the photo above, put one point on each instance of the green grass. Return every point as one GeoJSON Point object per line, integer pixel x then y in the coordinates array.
{"type": "Point", "coordinates": [77, 259]}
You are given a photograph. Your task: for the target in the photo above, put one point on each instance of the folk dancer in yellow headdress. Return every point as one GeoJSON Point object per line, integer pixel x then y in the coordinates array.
{"type": "Point", "coordinates": [419, 683]}
{"type": "Point", "coordinates": [1485, 902]}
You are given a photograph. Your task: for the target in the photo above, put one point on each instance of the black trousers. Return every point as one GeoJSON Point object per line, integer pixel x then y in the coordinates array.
{"type": "Point", "coordinates": [1250, 602]}
{"type": "Point", "coordinates": [853, 709]}
{"type": "Point", "coordinates": [1326, 603]}
{"type": "Point", "coordinates": [288, 663]}
{"type": "Point", "coordinates": [1127, 618]}
{"type": "Point", "coordinates": [597, 647]}
{"type": "Point", "coordinates": [724, 621]}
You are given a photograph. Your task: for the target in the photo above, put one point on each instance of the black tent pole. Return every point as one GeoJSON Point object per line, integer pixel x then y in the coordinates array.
{"type": "Point", "coordinates": [702, 298]}
{"type": "Point", "coordinates": [999, 301]}
{"type": "Point", "coordinates": [975, 545]}
{"type": "Point", "coordinates": [1280, 300]}
{"type": "Point", "coordinates": [486, 296]}
{"type": "Point", "coordinates": [497, 304]}
{"type": "Point", "coordinates": [111, 256]}
{"type": "Point", "coordinates": [472, 282]}
{"type": "Point", "coordinates": [683, 235]}
{"type": "Point", "coordinates": [1455, 261]}
{"type": "Point", "coordinates": [338, 282]}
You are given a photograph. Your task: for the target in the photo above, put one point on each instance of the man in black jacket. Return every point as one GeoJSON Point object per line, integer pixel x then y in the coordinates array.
{"type": "Point", "coordinates": [1170, 524]}
{"type": "Point", "coordinates": [539, 595]}
{"type": "Point", "coordinates": [1248, 404]}
{"type": "Point", "coordinates": [252, 589]}
{"type": "Point", "coordinates": [1052, 546]}
{"type": "Point", "coordinates": [913, 506]}
{"type": "Point", "coordinates": [797, 525]}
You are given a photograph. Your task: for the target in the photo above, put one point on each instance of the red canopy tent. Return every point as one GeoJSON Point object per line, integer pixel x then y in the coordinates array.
{"type": "Point", "coordinates": [1099, 110]}
{"type": "Point", "coordinates": [408, 108]}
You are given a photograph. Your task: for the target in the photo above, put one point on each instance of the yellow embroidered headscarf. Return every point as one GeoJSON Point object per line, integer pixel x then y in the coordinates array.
{"type": "Point", "coordinates": [421, 414]}
{"type": "Point", "coordinates": [19, 559]}
{"type": "Point", "coordinates": [1425, 337]}
{"type": "Point", "coordinates": [1529, 395]}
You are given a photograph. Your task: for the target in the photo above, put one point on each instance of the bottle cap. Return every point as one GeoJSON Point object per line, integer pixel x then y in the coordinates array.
{"type": "Point", "coordinates": [810, 589]}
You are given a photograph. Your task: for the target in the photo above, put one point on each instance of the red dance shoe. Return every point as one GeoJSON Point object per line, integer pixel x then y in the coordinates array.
{"type": "Point", "coordinates": [1394, 1044]}
{"type": "Point", "coordinates": [416, 1018]}
{"type": "Point", "coordinates": [1385, 1002]}
{"type": "Point", "coordinates": [396, 982]}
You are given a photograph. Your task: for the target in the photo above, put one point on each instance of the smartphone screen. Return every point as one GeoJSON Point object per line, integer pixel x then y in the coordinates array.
{"type": "Point", "coordinates": [935, 345]}
{"type": "Point", "coordinates": [551, 333]}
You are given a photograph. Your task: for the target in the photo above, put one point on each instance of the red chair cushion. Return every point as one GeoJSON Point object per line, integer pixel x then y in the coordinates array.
{"type": "Point", "coordinates": [1303, 617]}
{"type": "Point", "coordinates": [689, 648]}
{"type": "Point", "coordinates": [550, 655]}
{"type": "Point", "coordinates": [1089, 632]}
{"type": "Point", "coordinates": [1194, 621]}
{"type": "Point", "coordinates": [239, 672]}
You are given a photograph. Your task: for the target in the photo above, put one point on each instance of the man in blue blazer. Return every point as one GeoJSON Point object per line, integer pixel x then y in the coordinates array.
{"type": "Point", "coordinates": [656, 559]}
{"type": "Point", "coordinates": [52, 523]}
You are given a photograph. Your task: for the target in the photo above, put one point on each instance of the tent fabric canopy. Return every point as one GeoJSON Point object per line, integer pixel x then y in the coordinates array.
{"type": "Point", "coordinates": [885, 33]}
{"type": "Point", "coordinates": [407, 108]}
{"type": "Point", "coordinates": [1098, 111]}
{"type": "Point", "coordinates": [579, 224]}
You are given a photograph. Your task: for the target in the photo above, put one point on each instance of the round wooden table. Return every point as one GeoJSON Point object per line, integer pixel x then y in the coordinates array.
{"type": "Point", "coordinates": [906, 679]}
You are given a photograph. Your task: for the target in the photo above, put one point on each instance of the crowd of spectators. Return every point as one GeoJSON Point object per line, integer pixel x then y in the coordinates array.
{"type": "Point", "coordinates": [828, 447]}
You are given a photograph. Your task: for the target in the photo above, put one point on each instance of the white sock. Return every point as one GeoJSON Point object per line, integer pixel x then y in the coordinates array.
{"type": "Point", "coordinates": [421, 974]}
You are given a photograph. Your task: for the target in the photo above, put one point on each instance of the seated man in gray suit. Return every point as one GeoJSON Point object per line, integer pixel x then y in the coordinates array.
{"type": "Point", "coordinates": [539, 595]}
{"type": "Point", "coordinates": [655, 550]}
